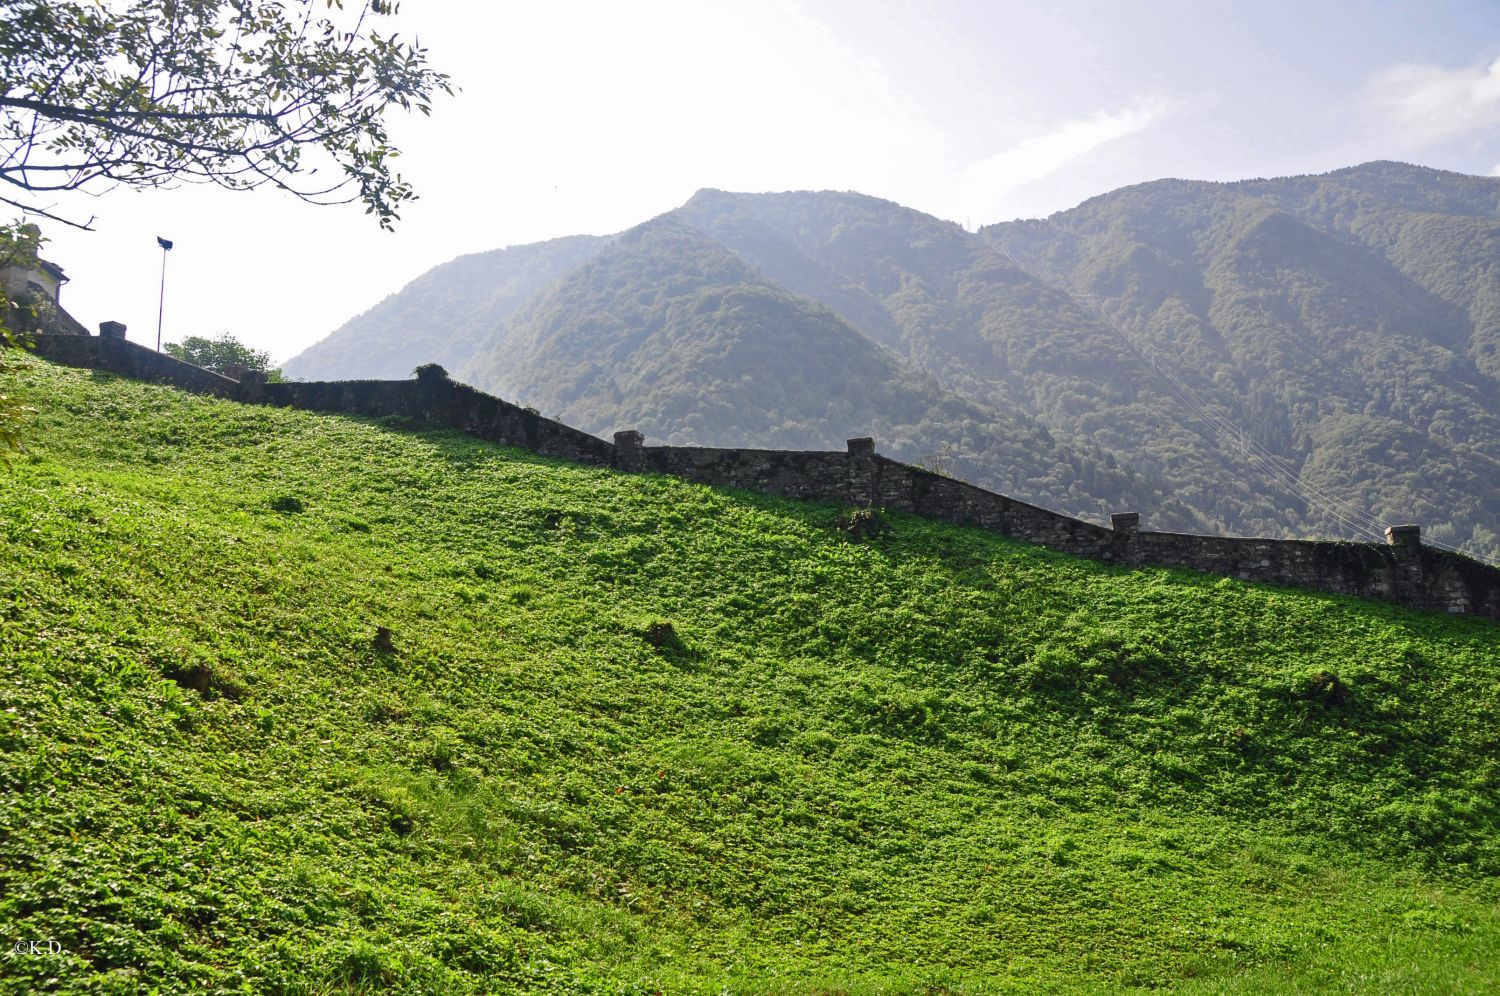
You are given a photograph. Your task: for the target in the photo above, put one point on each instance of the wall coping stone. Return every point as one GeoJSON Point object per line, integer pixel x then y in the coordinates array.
{"type": "Point", "coordinates": [1403, 535]}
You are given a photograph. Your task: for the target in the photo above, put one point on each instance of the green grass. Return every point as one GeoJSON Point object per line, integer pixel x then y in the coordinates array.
{"type": "Point", "coordinates": [934, 762]}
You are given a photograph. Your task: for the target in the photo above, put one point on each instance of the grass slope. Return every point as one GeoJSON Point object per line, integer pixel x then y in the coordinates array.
{"type": "Point", "coordinates": [936, 761]}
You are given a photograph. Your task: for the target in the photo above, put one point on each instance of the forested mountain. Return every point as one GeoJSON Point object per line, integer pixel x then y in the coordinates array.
{"type": "Point", "coordinates": [1262, 352]}
{"type": "Point", "coordinates": [669, 332]}
{"type": "Point", "coordinates": [1350, 323]}
{"type": "Point", "coordinates": [443, 316]}
{"type": "Point", "coordinates": [965, 314]}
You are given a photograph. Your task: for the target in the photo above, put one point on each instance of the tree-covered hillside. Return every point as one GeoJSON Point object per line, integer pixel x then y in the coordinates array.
{"type": "Point", "coordinates": [444, 316]}
{"type": "Point", "coordinates": [1289, 357]}
{"type": "Point", "coordinates": [295, 703]}
{"type": "Point", "coordinates": [1347, 322]}
{"type": "Point", "coordinates": [971, 319]}
{"type": "Point", "coordinates": [669, 332]}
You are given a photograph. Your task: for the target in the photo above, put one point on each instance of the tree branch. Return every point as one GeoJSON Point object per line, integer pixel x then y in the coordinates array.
{"type": "Point", "coordinates": [103, 118]}
{"type": "Point", "coordinates": [142, 93]}
{"type": "Point", "coordinates": [87, 226]}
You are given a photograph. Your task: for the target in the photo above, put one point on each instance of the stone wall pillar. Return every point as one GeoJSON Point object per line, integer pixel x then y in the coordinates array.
{"type": "Point", "coordinates": [111, 330]}
{"type": "Point", "coordinates": [1409, 574]}
{"type": "Point", "coordinates": [628, 455]}
{"type": "Point", "coordinates": [433, 397]}
{"type": "Point", "coordinates": [1404, 538]}
{"type": "Point", "coordinates": [859, 478]}
{"type": "Point", "coordinates": [252, 387]}
{"type": "Point", "coordinates": [1127, 537]}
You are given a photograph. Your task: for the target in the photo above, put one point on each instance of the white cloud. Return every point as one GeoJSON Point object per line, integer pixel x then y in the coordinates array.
{"type": "Point", "coordinates": [1429, 104]}
{"type": "Point", "coordinates": [981, 183]}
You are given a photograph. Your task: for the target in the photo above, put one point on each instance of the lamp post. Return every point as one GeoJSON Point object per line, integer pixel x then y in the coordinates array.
{"type": "Point", "coordinates": [165, 244]}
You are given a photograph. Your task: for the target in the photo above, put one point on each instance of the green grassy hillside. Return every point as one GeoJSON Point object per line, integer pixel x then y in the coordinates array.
{"type": "Point", "coordinates": [300, 704]}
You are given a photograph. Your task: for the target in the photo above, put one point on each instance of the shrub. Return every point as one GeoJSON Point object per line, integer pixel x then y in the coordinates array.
{"type": "Point", "coordinates": [1325, 687]}
{"type": "Point", "coordinates": [222, 353]}
{"type": "Point", "coordinates": [862, 524]}
{"type": "Point", "coordinates": [662, 635]}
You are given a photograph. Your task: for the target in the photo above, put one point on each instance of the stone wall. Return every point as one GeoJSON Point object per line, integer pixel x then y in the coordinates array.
{"type": "Point", "coordinates": [33, 312]}
{"type": "Point", "coordinates": [935, 496]}
{"type": "Point", "coordinates": [807, 475]}
{"type": "Point", "coordinates": [441, 402]}
{"type": "Point", "coordinates": [433, 399]}
{"type": "Point", "coordinates": [1401, 571]}
{"type": "Point", "coordinates": [120, 356]}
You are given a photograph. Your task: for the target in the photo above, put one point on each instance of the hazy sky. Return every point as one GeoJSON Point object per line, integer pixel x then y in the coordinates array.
{"type": "Point", "coordinates": [591, 117]}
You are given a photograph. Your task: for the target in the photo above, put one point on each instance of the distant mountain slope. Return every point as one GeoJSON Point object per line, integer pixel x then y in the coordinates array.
{"type": "Point", "coordinates": [1301, 308]}
{"type": "Point", "coordinates": [967, 315]}
{"type": "Point", "coordinates": [1440, 229]}
{"type": "Point", "coordinates": [669, 332]}
{"type": "Point", "coordinates": [1299, 356]}
{"type": "Point", "coordinates": [444, 315]}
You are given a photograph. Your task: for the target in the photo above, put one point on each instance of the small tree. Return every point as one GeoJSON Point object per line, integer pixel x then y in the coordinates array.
{"type": "Point", "coordinates": [222, 352]}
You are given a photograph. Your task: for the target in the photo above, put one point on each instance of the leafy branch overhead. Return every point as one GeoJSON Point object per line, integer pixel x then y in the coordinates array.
{"type": "Point", "coordinates": [232, 92]}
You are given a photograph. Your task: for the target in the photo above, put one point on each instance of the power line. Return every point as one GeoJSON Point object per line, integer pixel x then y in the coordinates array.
{"type": "Point", "coordinates": [1224, 429]}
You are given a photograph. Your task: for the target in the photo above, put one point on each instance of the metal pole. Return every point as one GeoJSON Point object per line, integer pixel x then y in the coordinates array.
{"type": "Point", "coordinates": [162, 300]}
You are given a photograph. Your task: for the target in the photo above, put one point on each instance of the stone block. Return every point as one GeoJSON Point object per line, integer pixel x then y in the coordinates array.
{"type": "Point", "coordinates": [1403, 536]}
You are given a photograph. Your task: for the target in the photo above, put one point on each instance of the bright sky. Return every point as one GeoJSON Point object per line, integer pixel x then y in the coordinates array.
{"type": "Point", "coordinates": [593, 116]}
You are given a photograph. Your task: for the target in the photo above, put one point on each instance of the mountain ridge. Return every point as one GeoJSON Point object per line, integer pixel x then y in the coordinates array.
{"type": "Point", "coordinates": [492, 283]}
{"type": "Point", "coordinates": [1419, 357]}
{"type": "Point", "coordinates": [669, 332]}
{"type": "Point", "coordinates": [1138, 325]}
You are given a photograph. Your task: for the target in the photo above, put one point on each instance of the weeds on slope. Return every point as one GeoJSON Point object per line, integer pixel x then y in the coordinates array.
{"type": "Point", "coordinates": [301, 704]}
